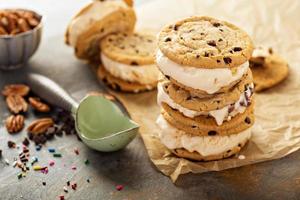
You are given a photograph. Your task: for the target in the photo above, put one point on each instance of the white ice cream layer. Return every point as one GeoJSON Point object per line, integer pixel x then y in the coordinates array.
{"type": "Point", "coordinates": [173, 138]}
{"type": "Point", "coordinates": [97, 11]}
{"type": "Point", "coordinates": [219, 115]}
{"type": "Point", "coordinates": [144, 74]}
{"type": "Point", "coordinates": [208, 80]}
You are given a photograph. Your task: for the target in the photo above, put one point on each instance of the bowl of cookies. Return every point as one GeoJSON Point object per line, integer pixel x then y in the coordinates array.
{"type": "Point", "coordinates": [20, 35]}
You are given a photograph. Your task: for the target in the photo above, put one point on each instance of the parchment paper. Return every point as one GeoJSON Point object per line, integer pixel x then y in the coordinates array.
{"type": "Point", "coordinates": [276, 132]}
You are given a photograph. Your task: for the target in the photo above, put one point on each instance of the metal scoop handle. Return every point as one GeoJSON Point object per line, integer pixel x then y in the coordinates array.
{"type": "Point", "coordinates": [50, 91]}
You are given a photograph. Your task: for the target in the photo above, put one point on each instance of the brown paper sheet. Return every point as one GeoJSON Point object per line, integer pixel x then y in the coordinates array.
{"type": "Point", "coordinates": [276, 132]}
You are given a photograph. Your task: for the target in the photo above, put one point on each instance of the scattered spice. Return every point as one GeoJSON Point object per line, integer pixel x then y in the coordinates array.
{"type": "Point", "coordinates": [51, 163]}
{"type": "Point", "coordinates": [57, 155]}
{"type": "Point", "coordinates": [61, 197]}
{"type": "Point", "coordinates": [74, 186]}
{"type": "Point", "coordinates": [73, 167]}
{"type": "Point", "coordinates": [65, 189]}
{"type": "Point", "coordinates": [44, 183]}
{"type": "Point", "coordinates": [38, 147]}
{"type": "Point", "coordinates": [6, 161]}
{"type": "Point", "coordinates": [34, 160]}
{"type": "Point", "coordinates": [86, 162]}
{"type": "Point", "coordinates": [26, 141]}
{"type": "Point", "coordinates": [119, 187]}
{"type": "Point", "coordinates": [51, 150]}
{"type": "Point", "coordinates": [76, 151]}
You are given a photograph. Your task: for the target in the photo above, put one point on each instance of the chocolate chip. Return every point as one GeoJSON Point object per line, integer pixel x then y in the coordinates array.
{"type": "Point", "coordinates": [110, 40]}
{"type": "Point", "coordinates": [168, 39]}
{"type": "Point", "coordinates": [220, 40]}
{"type": "Point", "coordinates": [239, 145]}
{"type": "Point", "coordinates": [237, 49]}
{"type": "Point", "coordinates": [134, 63]}
{"type": "Point", "coordinates": [228, 151]}
{"type": "Point", "coordinates": [189, 98]}
{"type": "Point", "coordinates": [227, 60]}
{"type": "Point", "coordinates": [117, 87]}
{"type": "Point", "coordinates": [270, 50]}
{"type": "Point", "coordinates": [212, 43]}
{"type": "Point", "coordinates": [11, 144]}
{"type": "Point", "coordinates": [197, 56]}
{"type": "Point", "coordinates": [168, 77]}
{"type": "Point", "coordinates": [201, 33]}
{"type": "Point", "coordinates": [26, 142]}
{"type": "Point", "coordinates": [248, 120]}
{"type": "Point", "coordinates": [175, 28]}
{"type": "Point", "coordinates": [230, 51]}
{"type": "Point", "coordinates": [211, 133]}
{"type": "Point", "coordinates": [221, 30]}
{"type": "Point", "coordinates": [218, 61]}
{"type": "Point", "coordinates": [194, 126]}
{"type": "Point", "coordinates": [216, 24]}
{"type": "Point", "coordinates": [102, 30]}
{"type": "Point", "coordinates": [206, 54]}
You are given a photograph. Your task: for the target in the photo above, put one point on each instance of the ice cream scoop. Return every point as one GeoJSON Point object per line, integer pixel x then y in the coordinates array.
{"type": "Point", "coordinates": [100, 123]}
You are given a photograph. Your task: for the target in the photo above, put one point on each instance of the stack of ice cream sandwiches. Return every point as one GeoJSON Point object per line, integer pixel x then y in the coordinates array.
{"type": "Point", "coordinates": [103, 32]}
{"type": "Point", "coordinates": [206, 91]}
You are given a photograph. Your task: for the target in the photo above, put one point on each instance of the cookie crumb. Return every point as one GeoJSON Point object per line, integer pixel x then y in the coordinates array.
{"type": "Point", "coordinates": [241, 157]}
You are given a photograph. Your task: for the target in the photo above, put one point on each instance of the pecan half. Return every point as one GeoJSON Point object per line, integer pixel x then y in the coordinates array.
{"type": "Point", "coordinates": [14, 123]}
{"type": "Point", "coordinates": [40, 126]}
{"type": "Point", "coordinates": [16, 104]}
{"type": "Point", "coordinates": [38, 105]}
{"type": "Point", "coordinates": [13, 89]}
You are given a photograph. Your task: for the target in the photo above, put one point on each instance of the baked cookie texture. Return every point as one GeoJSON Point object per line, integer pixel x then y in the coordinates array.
{"type": "Point", "coordinates": [121, 85]}
{"type": "Point", "coordinates": [89, 26]}
{"type": "Point", "coordinates": [183, 153]}
{"type": "Point", "coordinates": [135, 49]}
{"type": "Point", "coordinates": [205, 42]}
{"type": "Point", "coordinates": [128, 62]}
{"type": "Point", "coordinates": [269, 69]}
{"type": "Point", "coordinates": [206, 126]}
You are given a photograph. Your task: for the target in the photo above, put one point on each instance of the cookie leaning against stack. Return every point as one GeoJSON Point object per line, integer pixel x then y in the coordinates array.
{"type": "Point", "coordinates": [268, 68]}
{"type": "Point", "coordinates": [95, 21]}
{"type": "Point", "coordinates": [128, 62]}
{"type": "Point", "coordinates": [206, 94]}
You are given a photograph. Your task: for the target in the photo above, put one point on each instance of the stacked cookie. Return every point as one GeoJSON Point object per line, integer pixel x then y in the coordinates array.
{"type": "Point", "coordinates": [103, 32]}
{"type": "Point", "coordinates": [206, 93]}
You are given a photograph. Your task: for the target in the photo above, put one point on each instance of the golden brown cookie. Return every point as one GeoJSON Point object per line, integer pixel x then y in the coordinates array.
{"type": "Point", "coordinates": [121, 85]}
{"type": "Point", "coordinates": [132, 49]}
{"type": "Point", "coordinates": [205, 42]}
{"type": "Point", "coordinates": [192, 100]}
{"type": "Point", "coordinates": [92, 24]}
{"type": "Point", "coordinates": [183, 153]}
{"type": "Point", "coordinates": [269, 73]}
{"type": "Point", "coordinates": [205, 125]}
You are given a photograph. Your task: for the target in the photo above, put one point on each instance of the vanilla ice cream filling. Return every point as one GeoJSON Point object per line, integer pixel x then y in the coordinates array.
{"type": "Point", "coordinates": [208, 80]}
{"type": "Point", "coordinates": [97, 11]}
{"type": "Point", "coordinates": [220, 115]}
{"type": "Point", "coordinates": [174, 138]}
{"type": "Point", "coordinates": [143, 74]}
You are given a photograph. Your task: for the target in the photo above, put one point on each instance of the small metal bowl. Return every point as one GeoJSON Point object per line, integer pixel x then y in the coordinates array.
{"type": "Point", "coordinates": [15, 50]}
